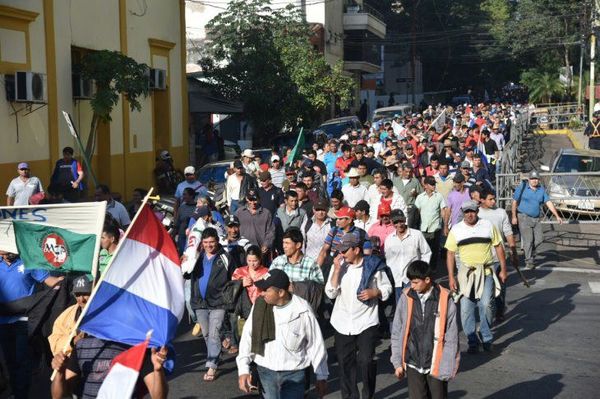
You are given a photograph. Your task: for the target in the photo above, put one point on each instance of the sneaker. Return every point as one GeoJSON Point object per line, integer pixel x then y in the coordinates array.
{"type": "Point", "coordinates": [197, 330]}
{"type": "Point", "coordinates": [530, 265]}
{"type": "Point", "coordinates": [488, 347]}
{"type": "Point", "coordinates": [473, 350]}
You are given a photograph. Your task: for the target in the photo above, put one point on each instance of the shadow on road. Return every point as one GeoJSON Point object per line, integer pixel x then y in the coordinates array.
{"type": "Point", "coordinates": [548, 386]}
{"type": "Point", "coordinates": [526, 316]}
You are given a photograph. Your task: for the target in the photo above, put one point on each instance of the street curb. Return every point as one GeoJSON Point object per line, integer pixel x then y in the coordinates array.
{"type": "Point", "coordinates": [567, 132]}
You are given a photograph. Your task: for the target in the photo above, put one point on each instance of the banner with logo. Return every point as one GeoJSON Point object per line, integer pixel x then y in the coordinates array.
{"type": "Point", "coordinates": [59, 237]}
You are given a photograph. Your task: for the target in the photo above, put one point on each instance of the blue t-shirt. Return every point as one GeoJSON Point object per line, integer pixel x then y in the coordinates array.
{"type": "Point", "coordinates": [531, 200]}
{"type": "Point", "coordinates": [16, 282]}
{"type": "Point", "coordinates": [198, 187]}
{"type": "Point", "coordinates": [329, 161]}
{"type": "Point", "coordinates": [207, 264]}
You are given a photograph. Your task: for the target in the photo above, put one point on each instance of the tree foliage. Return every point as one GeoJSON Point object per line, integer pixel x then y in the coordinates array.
{"type": "Point", "coordinates": [263, 57]}
{"type": "Point", "coordinates": [114, 74]}
{"type": "Point", "coordinates": [543, 86]}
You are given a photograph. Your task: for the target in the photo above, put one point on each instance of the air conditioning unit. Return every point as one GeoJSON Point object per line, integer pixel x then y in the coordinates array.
{"type": "Point", "coordinates": [158, 79]}
{"type": "Point", "coordinates": [83, 89]}
{"type": "Point", "coordinates": [26, 87]}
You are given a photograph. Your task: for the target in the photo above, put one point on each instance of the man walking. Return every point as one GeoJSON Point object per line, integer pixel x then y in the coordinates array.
{"type": "Point", "coordinates": [282, 336]}
{"type": "Point", "coordinates": [269, 195]}
{"type": "Point", "coordinates": [403, 247]}
{"type": "Point", "coordinates": [357, 283]}
{"type": "Point", "coordinates": [256, 223]}
{"type": "Point", "coordinates": [425, 345]}
{"type": "Point", "coordinates": [315, 230]}
{"type": "Point", "coordinates": [473, 240]}
{"type": "Point", "coordinates": [293, 262]}
{"type": "Point", "coordinates": [527, 200]}
{"type": "Point", "coordinates": [354, 191]}
{"type": "Point", "coordinates": [433, 211]}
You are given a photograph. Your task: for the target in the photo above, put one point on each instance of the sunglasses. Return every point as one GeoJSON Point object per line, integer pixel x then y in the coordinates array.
{"type": "Point", "coordinates": [251, 200]}
{"type": "Point", "coordinates": [399, 221]}
{"type": "Point", "coordinates": [24, 169]}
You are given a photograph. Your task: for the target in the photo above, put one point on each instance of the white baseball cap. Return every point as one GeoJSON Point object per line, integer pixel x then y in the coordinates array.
{"type": "Point", "coordinates": [275, 158]}
{"type": "Point", "coordinates": [189, 170]}
{"type": "Point", "coordinates": [248, 153]}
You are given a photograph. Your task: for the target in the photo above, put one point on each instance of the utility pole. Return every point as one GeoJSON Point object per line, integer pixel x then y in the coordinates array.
{"type": "Point", "coordinates": [580, 86]}
{"type": "Point", "coordinates": [595, 25]}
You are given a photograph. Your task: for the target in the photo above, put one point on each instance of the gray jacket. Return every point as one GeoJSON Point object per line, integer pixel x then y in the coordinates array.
{"type": "Point", "coordinates": [296, 219]}
{"type": "Point", "coordinates": [258, 229]}
{"type": "Point", "coordinates": [444, 359]}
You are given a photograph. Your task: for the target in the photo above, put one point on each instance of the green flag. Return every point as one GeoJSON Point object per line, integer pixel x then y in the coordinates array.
{"type": "Point", "coordinates": [54, 248]}
{"type": "Point", "coordinates": [297, 150]}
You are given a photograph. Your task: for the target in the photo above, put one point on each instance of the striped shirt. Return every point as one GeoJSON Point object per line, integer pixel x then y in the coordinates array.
{"type": "Point", "coordinates": [305, 269]}
{"type": "Point", "coordinates": [91, 361]}
{"type": "Point", "coordinates": [474, 244]}
{"type": "Point", "coordinates": [335, 236]}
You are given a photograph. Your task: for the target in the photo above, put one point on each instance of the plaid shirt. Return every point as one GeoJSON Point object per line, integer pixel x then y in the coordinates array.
{"type": "Point", "coordinates": [306, 269]}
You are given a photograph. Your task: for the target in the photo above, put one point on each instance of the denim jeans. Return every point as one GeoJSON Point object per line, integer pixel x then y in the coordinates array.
{"type": "Point", "coordinates": [235, 204]}
{"type": "Point", "coordinates": [14, 343]}
{"type": "Point", "coordinates": [187, 293]}
{"type": "Point", "coordinates": [485, 307]}
{"type": "Point", "coordinates": [210, 321]}
{"type": "Point", "coordinates": [282, 384]}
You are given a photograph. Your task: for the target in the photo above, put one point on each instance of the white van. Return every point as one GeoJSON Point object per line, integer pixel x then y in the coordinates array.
{"type": "Point", "coordinates": [387, 113]}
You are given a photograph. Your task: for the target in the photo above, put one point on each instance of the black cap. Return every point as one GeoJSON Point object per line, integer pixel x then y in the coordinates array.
{"type": "Point", "coordinates": [82, 285]}
{"type": "Point", "coordinates": [252, 195]}
{"type": "Point", "coordinates": [273, 278]}
{"type": "Point", "coordinates": [232, 220]}
{"type": "Point", "coordinates": [238, 164]}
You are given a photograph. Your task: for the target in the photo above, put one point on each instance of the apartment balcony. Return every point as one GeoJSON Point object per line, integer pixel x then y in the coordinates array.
{"type": "Point", "coordinates": [363, 16]}
{"type": "Point", "coordinates": [362, 52]}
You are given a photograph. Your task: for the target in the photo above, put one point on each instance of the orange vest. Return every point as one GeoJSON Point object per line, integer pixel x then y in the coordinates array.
{"type": "Point", "coordinates": [438, 334]}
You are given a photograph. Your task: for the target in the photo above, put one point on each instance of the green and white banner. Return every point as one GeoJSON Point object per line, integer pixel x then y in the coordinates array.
{"type": "Point", "coordinates": [60, 237]}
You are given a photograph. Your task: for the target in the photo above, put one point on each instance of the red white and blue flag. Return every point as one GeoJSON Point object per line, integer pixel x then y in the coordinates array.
{"type": "Point", "coordinates": [123, 373]}
{"type": "Point", "coordinates": [141, 290]}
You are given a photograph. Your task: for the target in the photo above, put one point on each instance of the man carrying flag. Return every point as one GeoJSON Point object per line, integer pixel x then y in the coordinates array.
{"type": "Point", "coordinates": [94, 360]}
{"type": "Point", "coordinates": [141, 290]}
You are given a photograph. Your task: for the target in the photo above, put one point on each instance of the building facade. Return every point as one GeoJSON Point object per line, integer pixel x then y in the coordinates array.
{"type": "Point", "coordinates": [49, 37]}
{"type": "Point", "coordinates": [351, 31]}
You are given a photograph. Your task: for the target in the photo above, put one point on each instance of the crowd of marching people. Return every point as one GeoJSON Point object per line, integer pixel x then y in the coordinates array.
{"type": "Point", "coordinates": [346, 237]}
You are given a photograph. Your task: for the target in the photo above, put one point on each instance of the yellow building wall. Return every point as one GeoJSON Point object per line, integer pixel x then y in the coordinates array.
{"type": "Point", "coordinates": [126, 154]}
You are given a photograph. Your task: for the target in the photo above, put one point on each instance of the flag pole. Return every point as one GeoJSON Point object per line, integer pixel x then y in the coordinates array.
{"type": "Point", "coordinates": [66, 348]}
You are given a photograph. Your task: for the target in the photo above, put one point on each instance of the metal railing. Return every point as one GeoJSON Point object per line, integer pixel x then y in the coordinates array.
{"type": "Point", "coordinates": [575, 195]}
{"type": "Point", "coordinates": [511, 153]}
{"type": "Point", "coordinates": [557, 116]}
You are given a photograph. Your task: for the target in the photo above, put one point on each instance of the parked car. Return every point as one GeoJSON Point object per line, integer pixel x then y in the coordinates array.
{"type": "Point", "coordinates": [334, 128]}
{"type": "Point", "coordinates": [214, 177]}
{"type": "Point", "coordinates": [386, 114]}
{"type": "Point", "coordinates": [575, 191]}
{"type": "Point", "coordinates": [231, 149]}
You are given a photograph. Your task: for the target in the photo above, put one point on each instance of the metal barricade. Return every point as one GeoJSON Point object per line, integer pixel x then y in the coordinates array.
{"type": "Point", "coordinates": [576, 195]}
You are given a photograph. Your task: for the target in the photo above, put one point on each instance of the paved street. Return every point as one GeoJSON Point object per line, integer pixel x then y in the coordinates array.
{"type": "Point", "coordinates": [546, 348]}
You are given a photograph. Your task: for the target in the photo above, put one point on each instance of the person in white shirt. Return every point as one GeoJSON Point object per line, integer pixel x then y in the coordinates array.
{"type": "Point", "coordinates": [354, 191]}
{"type": "Point", "coordinates": [297, 342]}
{"type": "Point", "coordinates": [402, 248]}
{"type": "Point", "coordinates": [250, 165]}
{"type": "Point", "coordinates": [277, 171]}
{"type": "Point", "coordinates": [388, 194]}
{"type": "Point", "coordinates": [363, 220]}
{"type": "Point", "coordinates": [315, 229]}
{"type": "Point", "coordinates": [357, 283]}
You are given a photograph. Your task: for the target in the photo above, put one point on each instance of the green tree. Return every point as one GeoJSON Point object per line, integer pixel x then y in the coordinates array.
{"type": "Point", "coordinates": [543, 86]}
{"type": "Point", "coordinates": [263, 57]}
{"type": "Point", "coordinates": [114, 74]}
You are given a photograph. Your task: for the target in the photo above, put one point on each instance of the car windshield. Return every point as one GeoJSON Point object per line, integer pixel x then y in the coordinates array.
{"type": "Point", "coordinates": [387, 115]}
{"type": "Point", "coordinates": [577, 163]}
{"type": "Point", "coordinates": [214, 174]}
{"type": "Point", "coordinates": [335, 129]}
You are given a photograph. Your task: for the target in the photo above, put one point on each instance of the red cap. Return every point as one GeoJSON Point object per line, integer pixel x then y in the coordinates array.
{"type": "Point", "coordinates": [345, 212]}
{"type": "Point", "coordinates": [384, 209]}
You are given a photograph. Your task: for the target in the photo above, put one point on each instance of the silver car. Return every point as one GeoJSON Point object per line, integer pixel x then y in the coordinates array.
{"type": "Point", "coordinates": [574, 182]}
